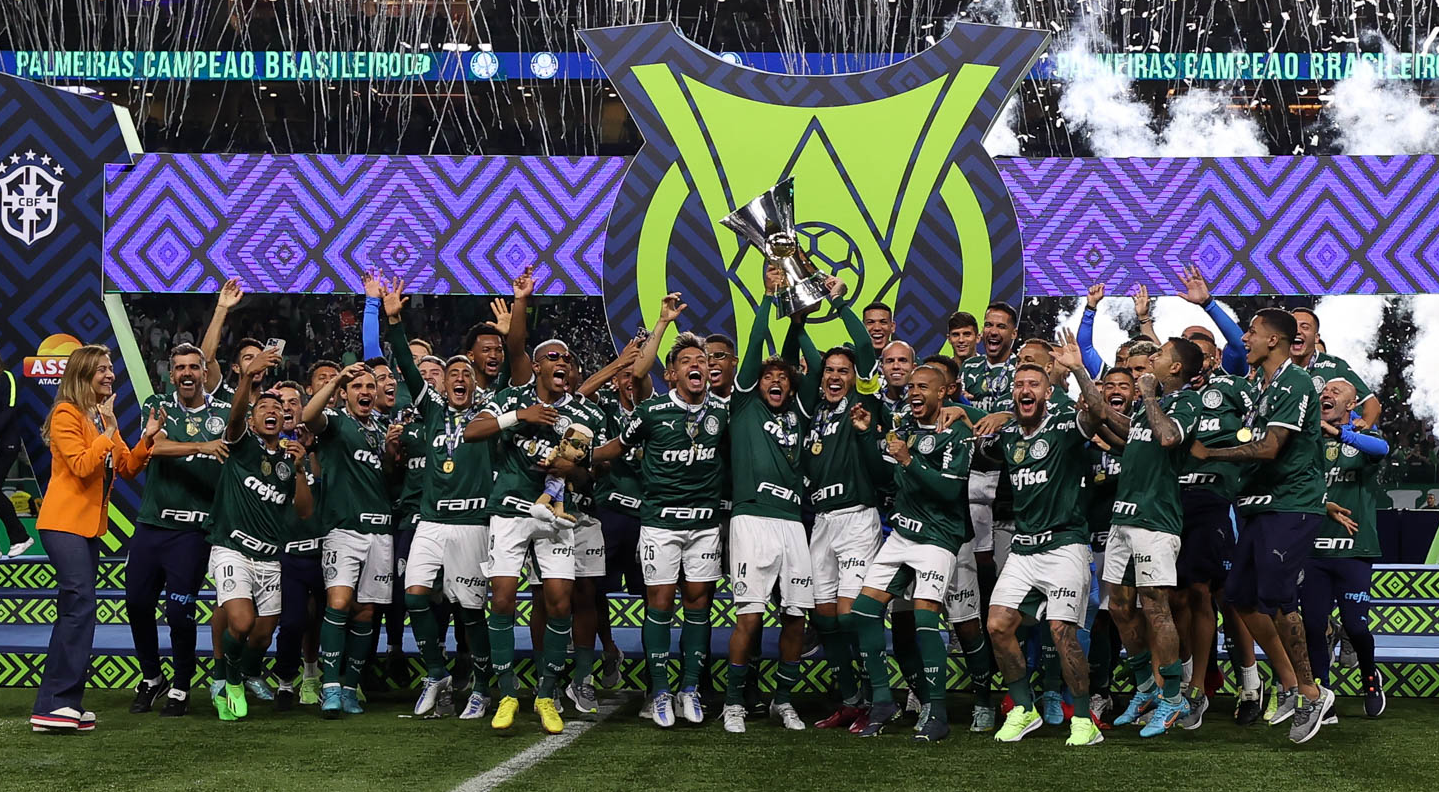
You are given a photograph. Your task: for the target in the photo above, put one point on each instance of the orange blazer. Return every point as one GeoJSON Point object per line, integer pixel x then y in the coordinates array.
{"type": "Point", "coordinates": [77, 499]}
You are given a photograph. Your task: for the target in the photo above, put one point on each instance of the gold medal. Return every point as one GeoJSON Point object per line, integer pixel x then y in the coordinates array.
{"type": "Point", "coordinates": [1244, 435]}
{"type": "Point", "coordinates": [816, 448]}
{"type": "Point", "coordinates": [449, 466]}
{"type": "Point", "coordinates": [1099, 477]}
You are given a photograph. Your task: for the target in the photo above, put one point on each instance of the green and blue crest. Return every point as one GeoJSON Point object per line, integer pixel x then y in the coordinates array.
{"type": "Point", "coordinates": [894, 191]}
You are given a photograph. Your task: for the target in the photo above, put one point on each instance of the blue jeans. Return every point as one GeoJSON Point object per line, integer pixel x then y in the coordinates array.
{"type": "Point", "coordinates": [67, 663]}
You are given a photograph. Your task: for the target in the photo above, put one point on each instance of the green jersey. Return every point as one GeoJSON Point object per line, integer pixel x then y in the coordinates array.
{"type": "Point", "coordinates": [680, 464]}
{"type": "Point", "coordinates": [1100, 484]}
{"type": "Point", "coordinates": [253, 499]}
{"type": "Point", "coordinates": [1324, 367]}
{"type": "Point", "coordinates": [765, 456]}
{"type": "Point", "coordinates": [304, 537]}
{"type": "Point", "coordinates": [524, 446]}
{"type": "Point", "coordinates": [1148, 494]}
{"type": "Point", "coordinates": [1046, 472]}
{"type": "Point", "coordinates": [415, 446]}
{"type": "Point", "coordinates": [356, 498]}
{"type": "Point", "coordinates": [1350, 476]}
{"type": "Point", "coordinates": [179, 490]}
{"type": "Point", "coordinates": [990, 385]}
{"type": "Point", "coordinates": [620, 488]}
{"type": "Point", "coordinates": [931, 493]}
{"type": "Point", "coordinates": [835, 455]}
{"type": "Point", "coordinates": [459, 477]}
{"type": "Point", "coordinates": [1226, 402]}
{"type": "Point", "coordinates": [1293, 481]}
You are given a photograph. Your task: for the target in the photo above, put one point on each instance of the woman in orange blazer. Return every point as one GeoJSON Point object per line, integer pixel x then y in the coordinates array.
{"type": "Point", "coordinates": [86, 454]}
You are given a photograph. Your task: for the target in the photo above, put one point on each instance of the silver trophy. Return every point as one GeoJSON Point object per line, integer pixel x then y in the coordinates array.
{"type": "Point", "coordinates": [768, 223]}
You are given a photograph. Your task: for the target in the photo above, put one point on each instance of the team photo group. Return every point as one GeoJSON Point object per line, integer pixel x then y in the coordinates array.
{"type": "Point", "coordinates": [1051, 518]}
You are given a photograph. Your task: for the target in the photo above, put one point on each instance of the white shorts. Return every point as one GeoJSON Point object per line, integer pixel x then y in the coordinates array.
{"type": "Point", "coordinates": [238, 576]}
{"type": "Point", "coordinates": [982, 486]}
{"type": "Point", "coordinates": [1053, 584]}
{"type": "Point", "coordinates": [961, 599]}
{"type": "Point", "coordinates": [1153, 553]}
{"type": "Point", "coordinates": [763, 552]}
{"type": "Point", "coordinates": [363, 562]}
{"type": "Point", "coordinates": [663, 551]}
{"type": "Point", "coordinates": [1003, 542]}
{"type": "Point", "coordinates": [510, 541]}
{"type": "Point", "coordinates": [840, 549]}
{"type": "Point", "coordinates": [902, 566]}
{"type": "Point", "coordinates": [460, 551]}
{"type": "Point", "coordinates": [589, 548]}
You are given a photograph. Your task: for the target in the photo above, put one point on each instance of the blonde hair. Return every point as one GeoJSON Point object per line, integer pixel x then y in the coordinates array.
{"type": "Point", "coordinates": [76, 386]}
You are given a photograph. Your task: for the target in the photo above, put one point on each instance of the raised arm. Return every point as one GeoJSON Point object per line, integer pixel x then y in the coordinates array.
{"type": "Point", "coordinates": [749, 365]}
{"type": "Point", "coordinates": [240, 410]}
{"type": "Point", "coordinates": [1093, 363]}
{"type": "Point", "coordinates": [517, 334]}
{"type": "Point", "coordinates": [597, 380]}
{"type": "Point", "coordinates": [228, 298]}
{"type": "Point", "coordinates": [370, 326]}
{"type": "Point", "coordinates": [393, 301]}
{"type": "Point", "coordinates": [670, 310]}
{"type": "Point", "coordinates": [1141, 312]}
{"type": "Point", "coordinates": [1196, 291]}
{"type": "Point", "coordinates": [313, 416]}
{"type": "Point", "coordinates": [865, 363]}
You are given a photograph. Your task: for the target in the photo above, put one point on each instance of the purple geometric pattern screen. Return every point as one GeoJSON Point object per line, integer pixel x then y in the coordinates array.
{"type": "Point", "coordinates": [1279, 225]}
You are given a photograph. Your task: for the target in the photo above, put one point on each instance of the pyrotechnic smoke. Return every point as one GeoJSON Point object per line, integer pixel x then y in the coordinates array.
{"type": "Point", "coordinates": [1173, 314]}
{"type": "Point", "coordinates": [1349, 325]}
{"type": "Point", "coordinates": [1423, 371]}
{"type": "Point", "coordinates": [1001, 140]}
{"type": "Point", "coordinates": [1108, 332]}
{"type": "Point", "coordinates": [1201, 125]}
{"type": "Point", "coordinates": [1372, 115]}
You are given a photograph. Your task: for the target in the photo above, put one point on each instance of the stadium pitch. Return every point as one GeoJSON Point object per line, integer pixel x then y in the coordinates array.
{"type": "Point", "coordinates": [382, 750]}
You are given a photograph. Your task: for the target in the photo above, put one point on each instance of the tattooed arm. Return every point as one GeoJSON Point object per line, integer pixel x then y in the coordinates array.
{"type": "Point", "coordinates": [1166, 429]}
{"type": "Point", "coordinates": [1265, 448]}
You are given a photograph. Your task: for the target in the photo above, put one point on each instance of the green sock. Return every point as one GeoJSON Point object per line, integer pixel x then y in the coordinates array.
{"type": "Point", "coordinates": [332, 645]}
{"type": "Point", "coordinates": [234, 649]}
{"type": "Point", "coordinates": [1143, 671]}
{"type": "Point", "coordinates": [557, 647]}
{"type": "Point", "coordinates": [848, 629]}
{"type": "Point", "coordinates": [1081, 704]}
{"type": "Point", "coordinates": [1020, 691]}
{"type": "Point", "coordinates": [906, 651]}
{"type": "Point", "coordinates": [502, 651]}
{"type": "Point", "coordinates": [584, 663]}
{"type": "Point", "coordinates": [477, 634]}
{"type": "Point", "coordinates": [934, 663]}
{"type": "Point", "coordinates": [252, 660]}
{"type": "Point", "coordinates": [357, 651]}
{"type": "Point", "coordinates": [1049, 665]}
{"type": "Point", "coordinates": [784, 681]}
{"type": "Point", "coordinates": [976, 658]}
{"type": "Point", "coordinates": [735, 677]}
{"type": "Point", "coordinates": [655, 636]}
{"type": "Point", "coordinates": [1173, 676]}
{"type": "Point", "coordinates": [694, 644]}
{"type": "Point", "coordinates": [836, 653]}
{"type": "Point", "coordinates": [427, 634]}
{"type": "Point", "coordinates": [869, 623]}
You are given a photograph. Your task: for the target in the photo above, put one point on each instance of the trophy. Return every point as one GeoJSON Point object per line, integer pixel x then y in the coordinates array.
{"type": "Point", "coordinates": [768, 223]}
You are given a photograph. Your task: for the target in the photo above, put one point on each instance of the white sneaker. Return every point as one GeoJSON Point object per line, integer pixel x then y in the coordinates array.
{"type": "Point", "coordinates": [913, 704]}
{"type": "Point", "coordinates": [60, 719]}
{"type": "Point", "coordinates": [477, 708]}
{"type": "Point", "coordinates": [733, 715]}
{"type": "Point", "coordinates": [689, 706]}
{"type": "Point", "coordinates": [787, 716]}
{"type": "Point", "coordinates": [647, 710]}
{"type": "Point", "coordinates": [19, 548]}
{"type": "Point", "coordinates": [430, 695]}
{"type": "Point", "coordinates": [663, 712]}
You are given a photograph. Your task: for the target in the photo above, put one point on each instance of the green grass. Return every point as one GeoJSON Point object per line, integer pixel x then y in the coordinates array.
{"type": "Point", "coordinates": [380, 751]}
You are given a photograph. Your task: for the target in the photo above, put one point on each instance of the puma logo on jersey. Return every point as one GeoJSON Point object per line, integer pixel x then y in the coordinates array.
{"type": "Point", "coordinates": [1334, 543]}
{"type": "Point", "coordinates": [268, 492]}
{"type": "Point", "coordinates": [367, 458]}
{"type": "Point", "coordinates": [459, 504]}
{"type": "Point", "coordinates": [783, 493]}
{"type": "Point", "coordinates": [1024, 477]}
{"type": "Point", "coordinates": [824, 493]}
{"type": "Point", "coordinates": [183, 515]}
{"type": "Point", "coordinates": [690, 455]}
{"type": "Point", "coordinates": [1125, 508]}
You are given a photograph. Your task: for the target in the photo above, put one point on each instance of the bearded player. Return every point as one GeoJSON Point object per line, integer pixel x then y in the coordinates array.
{"type": "Point", "coordinates": [929, 519]}
{"type": "Point", "coordinates": [1047, 573]}
{"type": "Point", "coordinates": [358, 551]}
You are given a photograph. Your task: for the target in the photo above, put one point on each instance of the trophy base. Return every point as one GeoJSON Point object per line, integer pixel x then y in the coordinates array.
{"type": "Point", "coordinates": [802, 295]}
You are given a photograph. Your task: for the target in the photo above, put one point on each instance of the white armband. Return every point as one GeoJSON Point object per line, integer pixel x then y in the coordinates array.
{"type": "Point", "coordinates": [509, 419]}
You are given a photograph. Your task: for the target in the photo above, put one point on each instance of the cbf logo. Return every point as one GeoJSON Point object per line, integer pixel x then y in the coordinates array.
{"type": "Point", "coordinates": [30, 196]}
{"type": "Point", "coordinates": [888, 166]}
